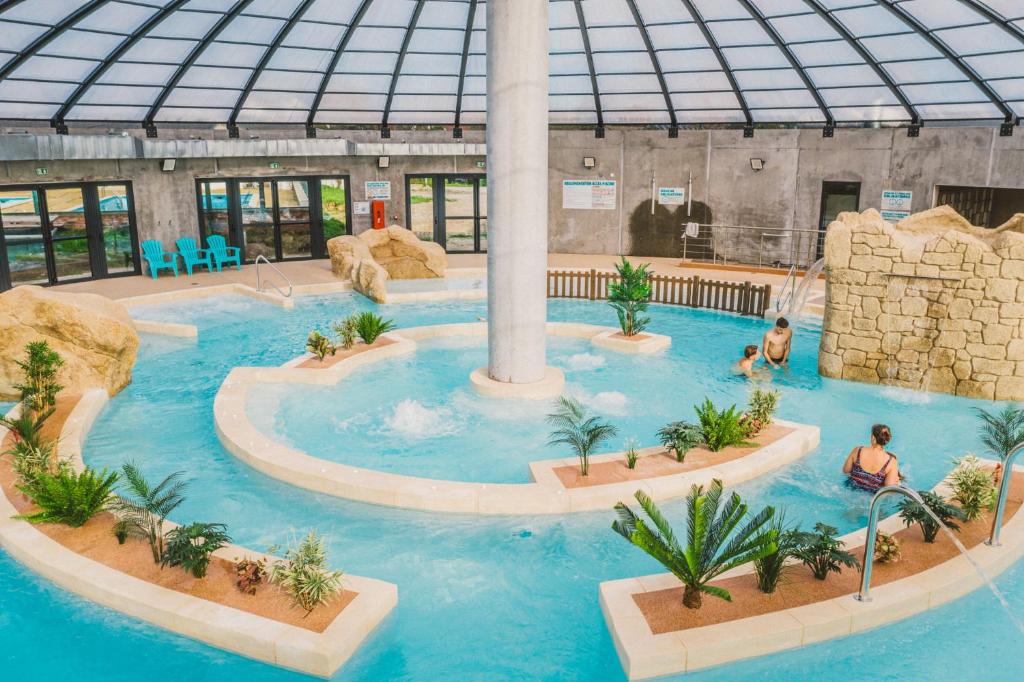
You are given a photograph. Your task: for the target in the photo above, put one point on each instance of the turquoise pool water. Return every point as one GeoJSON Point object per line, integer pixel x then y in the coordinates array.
{"type": "Point", "coordinates": [491, 597]}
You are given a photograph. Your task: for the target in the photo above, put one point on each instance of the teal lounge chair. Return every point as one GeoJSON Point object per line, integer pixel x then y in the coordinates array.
{"type": "Point", "coordinates": [158, 259]}
{"type": "Point", "coordinates": [192, 255]}
{"type": "Point", "coordinates": [222, 253]}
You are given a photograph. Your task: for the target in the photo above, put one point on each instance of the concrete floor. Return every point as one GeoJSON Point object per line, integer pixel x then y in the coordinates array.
{"type": "Point", "coordinates": [319, 271]}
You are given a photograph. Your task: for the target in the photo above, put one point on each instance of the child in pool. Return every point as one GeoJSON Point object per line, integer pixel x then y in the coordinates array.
{"type": "Point", "coordinates": [746, 366]}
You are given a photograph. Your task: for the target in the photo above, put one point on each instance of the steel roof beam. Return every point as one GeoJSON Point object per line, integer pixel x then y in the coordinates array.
{"type": "Point", "coordinates": [467, 39]}
{"type": "Point", "coordinates": [669, 106]}
{"type": "Point", "coordinates": [716, 48]}
{"type": "Point", "coordinates": [357, 18]}
{"type": "Point", "coordinates": [590, 65]}
{"type": "Point", "coordinates": [398, 64]}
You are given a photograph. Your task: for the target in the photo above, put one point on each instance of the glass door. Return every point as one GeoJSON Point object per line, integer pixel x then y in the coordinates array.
{"type": "Point", "coordinates": [22, 217]}
{"type": "Point", "coordinates": [214, 213]}
{"type": "Point", "coordinates": [459, 215]}
{"type": "Point", "coordinates": [334, 208]}
{"type": "Point", "coordinates": [449, 209]}
{"type": "Point", "coordinates": [258, 219]}
{"type": "Point", "coordinates": [422, 219]}
{"type": "Point", "coordinates": [65, 209]}
{"type": "Point", "coordinates": [293, 219]}
{"type": "Point", "coordinates": [836, 197]}
{"type": "Point", "coordinates": [116, 233]}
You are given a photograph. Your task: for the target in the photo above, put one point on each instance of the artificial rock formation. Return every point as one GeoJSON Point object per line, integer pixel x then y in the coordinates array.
{"type": "Point", "coordinates": [94, 335]}
{"type": "Point", "coordinates": [933, 303]}
{"type": "Point", "coordinates": [373, 257]}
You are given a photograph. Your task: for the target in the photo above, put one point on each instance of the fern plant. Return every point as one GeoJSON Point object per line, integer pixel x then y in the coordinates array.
{"type": "Point", "coordinates": [580, 432]}
{"type": "Point", "coordinates": [680, 437]}
{"type": "Point", "coordinates": [912, 512]}
{"type": "Point", "coordinates": [319, 345]}
{"type": "Point", "coordinates": [720, 429]}
{"type": "Point", "coordinates": [40, 388]}
{"type": "Point", "coordinates": [304, 575]}
{"type": "Point", "coordinates": [715, 540]}
{"type": "Point", "coordinates": [629, 296]}
{"type": "Point", "coordinates": [1002, 431]}
{"type": "Point", "coordinates": [369, 326]}
{"type": "Point", "coordinates": [822, 552]}
{"type": "Point", "coordinates": [191, 546]}
{"type": "Point", "coordinates": [142, 514]}
{"type": "Point", "coordinates": [68, 497]}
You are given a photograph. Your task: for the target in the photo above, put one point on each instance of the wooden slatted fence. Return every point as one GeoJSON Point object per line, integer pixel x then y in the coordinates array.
{"type": "Point", "coordinates": [743, 298]}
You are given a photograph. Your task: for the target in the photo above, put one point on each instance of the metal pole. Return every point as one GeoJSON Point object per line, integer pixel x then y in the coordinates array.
{"type": "Point", "coordinates": [1004, 492]}
{"type": "Point", "coordinates": [869, 543]}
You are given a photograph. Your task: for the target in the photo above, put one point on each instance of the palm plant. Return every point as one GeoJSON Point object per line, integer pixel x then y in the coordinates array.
{"type": "Point", "coordinates": [720, 428]}
{"type": "Point", "coordinates": [369, 326]}
{"type": "Point", "coordinates": [629, 296]}
{"type": "Point", "coordinates": [319, 345]}
{"type": "Point", "coordinates": [1002, 431]}
{"type": "Point", "coordinates": [715, 542]}
{"type": "Point", "coordinates": [304, 575]}
{"type": "Point", "coordinates": [27, 425]}
{"type": "Point", "coordinates": [574, 428]}
{"type": "Point", "coordinates": [191, 546]}
{"type": "Point", "coordinates": [771, 568]}
{"type": "Point", "coordinates": [822, 552]}
{"type": "Point", "coordinates": [40, 368]}
{"type": "Point", "coordinates": [143, 514]}
{"type": "Point", "coordinates": [913, 512]}
{"type": "Point", "coordinates": [68, 497]}
{"type": "Point", "coordinates": [680, 437]}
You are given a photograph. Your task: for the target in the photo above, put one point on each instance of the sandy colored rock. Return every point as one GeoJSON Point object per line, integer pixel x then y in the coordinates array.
{"type": "Point", "coordinates": [370, 279]}
{"type": "Point", "coordinates": [938, 298]}
{"type": "Point", "coordinates": [93, 334]}
{"type": "Point", "coordinates": [345, 252]}
{"type": "Point", "coordinates": [404, 255]}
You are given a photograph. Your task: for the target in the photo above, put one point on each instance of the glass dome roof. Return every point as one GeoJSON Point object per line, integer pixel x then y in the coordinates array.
{"type": "Point", "coordinates": [383, 62]}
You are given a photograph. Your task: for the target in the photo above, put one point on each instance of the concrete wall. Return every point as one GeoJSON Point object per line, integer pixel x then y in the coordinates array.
{"type": "Point", "coordinates": [786, 194]}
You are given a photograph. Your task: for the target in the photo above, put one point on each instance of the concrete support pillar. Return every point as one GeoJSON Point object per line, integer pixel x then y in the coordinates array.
{"type": "Point", "coordinates": [517, 188]}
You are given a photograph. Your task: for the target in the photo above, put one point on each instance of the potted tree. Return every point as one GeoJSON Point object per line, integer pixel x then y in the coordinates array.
{"type": "Point", "coordinates": [629, 297]}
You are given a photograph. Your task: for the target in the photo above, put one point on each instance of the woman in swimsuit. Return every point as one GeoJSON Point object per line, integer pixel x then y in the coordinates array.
{"type": "Point", "coordinates": [869, 468]}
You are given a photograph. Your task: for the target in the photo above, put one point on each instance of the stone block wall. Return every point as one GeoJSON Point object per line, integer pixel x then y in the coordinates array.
{"type": "Point", "coordinates": [930, 303]}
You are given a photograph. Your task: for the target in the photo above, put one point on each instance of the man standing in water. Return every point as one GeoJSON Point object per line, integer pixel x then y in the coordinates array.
{"type": "Point", "coordinates": [777, 343]}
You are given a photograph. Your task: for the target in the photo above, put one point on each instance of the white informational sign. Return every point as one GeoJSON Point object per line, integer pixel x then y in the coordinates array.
{"type": "Point", "coordinates": [671, 196]}
{"type": "Point", "coordinates": [378, 189]}
{"type": "Point", "coordinates": [896, 205]}
{"type": "Point", "coordinates": [361, 207]}
{"type": "Point", "coordinates": [589, 194]}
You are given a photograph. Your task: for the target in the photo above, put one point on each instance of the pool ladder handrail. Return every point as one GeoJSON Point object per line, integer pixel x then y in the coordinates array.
{"type": "Point", "coordinates": [1004, 492]}
{"type": "Point", "coordinates": [259, 282]}
{"type": "Point", "coordinates": [869, 542]}
{"type": "Point", "coordinates": [789, 286]}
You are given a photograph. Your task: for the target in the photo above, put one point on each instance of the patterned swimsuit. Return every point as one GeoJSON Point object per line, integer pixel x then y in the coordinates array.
{"type": "Point", "coordinates": [865, 480]}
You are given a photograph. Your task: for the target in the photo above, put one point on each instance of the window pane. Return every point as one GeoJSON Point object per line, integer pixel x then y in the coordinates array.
{"type": "Point", "coordinates": [458, 197]}
{"type": "Point", "coordinates": [66, 210]}
{"type": "Point", "coordinates": [332, 201]}
{"type": "Point", "coordinates": [459, 234]}
{"type": "Point", "coordinates": [257, 199]}
{"type": "Point", "coordinates": [23, 233]}
{"type": "Point", "coordinates": [116, 226]}
{"type": "Point", "coordinates": [214, 206]}
{"type": "Point", "coordinates": [421, 207]}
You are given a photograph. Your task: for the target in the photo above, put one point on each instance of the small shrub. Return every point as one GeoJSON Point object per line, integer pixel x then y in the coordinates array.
{"type": "Point", "coordinates": [369, 326]}
{"type": "Point", "coordinates": [762, 405]}
{"type": "Point", "coordinates": [143, 513]}
{"type": "Point", "coordinates": [39, 392]}
{"type": "Point", "coordinates": [68, 497]}
{"type": "Point", "coordinates": [887, 549]}
{"type": "Point", "coordinates": [249, 573]}
{"type": "Point", "coordinates": [771, 568]}
{"type": "Point", "coordinates": [319, 345]}
{"type": "Point", "coordinates": [304, 575]}
{"type": "Point", "coordinates": [822, 552]}
{"type": "Point", "coordinates": [191, 546]}
{"type": "Point", "coordinates": [973, 487]}
{"type": "Point", "coordinates": [1002, 431]}
{"type": "Point", "coordinates": [30, 461]}
{"type": "Point", "coordinates": [680, 437]}
{"type": "Point", "coordinates": [346, 331]}
{"type": "Point", "coordinates": [629, 296]}
{"type": "Point", "coordinates": [912, 512]}
{"type": "Point", "coordinates": [631, 453]}
{"type": "Point", "coordinates": [574, 428]}
{"type": "Point", "coordinates": [720, 429]}
{"type": "Point", "coordinates": [26, 427]}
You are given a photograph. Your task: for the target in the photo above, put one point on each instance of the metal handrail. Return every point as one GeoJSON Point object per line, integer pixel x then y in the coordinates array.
{"type": "Point", "coordinates": [259, 283]}
{"type": "Point", "coordinates": [1004, 492]}
{"type": "Point", "coordinates": [752, 245]}
{"type": "Point", "coordinates": [789, 286]}
{"type": "Point", "coordinates": [869, 542]}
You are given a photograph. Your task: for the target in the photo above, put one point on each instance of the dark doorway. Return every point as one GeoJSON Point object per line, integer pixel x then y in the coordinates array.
{"type": "Point", "coordinates": [448, 209]}
{"type": "Point", "coordinates": [836, 197]}
{"type": "Point", "coordinates": [982, 206]}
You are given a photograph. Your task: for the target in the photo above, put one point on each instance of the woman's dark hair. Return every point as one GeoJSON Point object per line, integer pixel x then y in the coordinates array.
{"type": "Point", "coordinates": [882, 434]}
{"type": "Point", "coordinates": [749, 351]}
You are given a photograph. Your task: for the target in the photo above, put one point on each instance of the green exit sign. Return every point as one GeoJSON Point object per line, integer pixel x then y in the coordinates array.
{"type": "Point", "coordinates": [275, 164]}
{"type": "Point", "coordinates": [42, 170]}
{"type": "Point", "coordinates": [481, 164]}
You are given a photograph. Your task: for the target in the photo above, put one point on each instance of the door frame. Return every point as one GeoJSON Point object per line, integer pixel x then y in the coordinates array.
{"type": "Point", "coordinates": [318, 245]}
{"type": "Point", "coordinates": [93, 231]}
{"type": "Point", "coordinates": [820, 245]}
{"type": "Point", "coordinates": [440, 216]}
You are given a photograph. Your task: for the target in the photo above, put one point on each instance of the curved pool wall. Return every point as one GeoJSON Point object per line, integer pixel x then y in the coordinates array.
{"type": "Point", "coordinates": [494, 597]}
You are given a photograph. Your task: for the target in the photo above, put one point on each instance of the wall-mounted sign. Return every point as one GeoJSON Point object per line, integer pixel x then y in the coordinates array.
{"type": "Point", "coordinates": [672, 196]}
{"type": "Point", "coordinates": [361, 207]}
{"type": "Point", "coordinates": [42, 170]}
{"type": "Point", "coordinates": [589, 194]}
{"type": "Point", "coordinates": [378, 189]}
{"type": "Point", "coordinates": [481, 164]}
{"type": "Point", "coordinates": [275, 164]}
{"type": "Point", "coordinates": [896, 205]}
